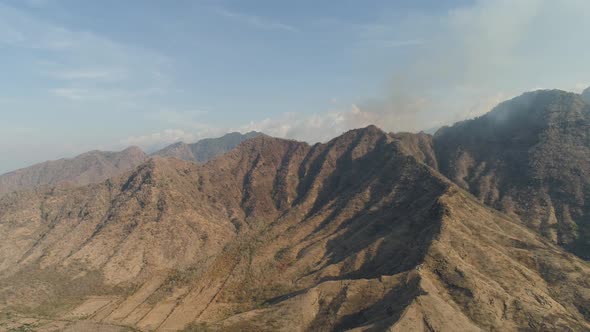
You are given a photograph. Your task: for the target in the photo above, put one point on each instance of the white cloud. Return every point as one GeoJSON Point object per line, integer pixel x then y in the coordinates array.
{"type": "Point", "coordinates": [96, 67]}
{"type": "Point", "coordinates": [317, 127]}
{"type": "Point", "coordinates": [472, 57]}
{"type": "Point", "coordinates": [309, 127]}
{"type": "Point", "coordinates": [454, 66]}
{"type": "Point", "coordinates": [480, 107]}
{"type": "Point", "coordinates": [580, 87]}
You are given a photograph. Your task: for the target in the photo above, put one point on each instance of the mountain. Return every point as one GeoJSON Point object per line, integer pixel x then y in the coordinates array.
{"type": "Point", "coordinates": [530, 158]}
{"type": "Point", "coordinates": [355, 234]}
{"type": "Point", "coordinates": [97, 166]}
{"type": "Point", "coordinates": [586, 95]}
{"type": "Point", "coordinates": [205, 149]}
{"type": "Point", "coordinates": [90, 167]}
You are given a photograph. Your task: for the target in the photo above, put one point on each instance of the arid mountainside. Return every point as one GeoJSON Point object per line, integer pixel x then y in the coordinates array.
{"type": "Point", "coordinates": [357, 234]}
{"type": "Point", "coordinates": [97, 166]}
{"type": "Point", "coordinates": [530, 158]}
{"type": "Point", "coordinates": [205, 149]}
{"type": "Point", "coordinates": [90, 167]}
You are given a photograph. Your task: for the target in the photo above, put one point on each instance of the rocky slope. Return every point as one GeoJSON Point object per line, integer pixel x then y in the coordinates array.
{"type": "Point", "coordinates": [205, 149]}
{"type": "Point", "coordinates": [90, 167]}
{"type": "Point", "coordinates": [97, 166]}
{"type": "Point", "coordinates": [356, 234]}
{"type": "Point", "coordinates": [530, 158]}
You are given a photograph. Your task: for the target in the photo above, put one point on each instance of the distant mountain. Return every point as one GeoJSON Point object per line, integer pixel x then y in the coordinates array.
{"type": "Point", "coordinates": [530, 158]}
{"type": "Point", "coordinates": [97, 166]}
{"type": "Point", "coordinates": [90, 167]}
{"type": "Point", "coordinates": [277, 235]}
{"type": "Point", "coordinates": [205, 149]}
{"type": "Point", "coordinates": [586, 95]}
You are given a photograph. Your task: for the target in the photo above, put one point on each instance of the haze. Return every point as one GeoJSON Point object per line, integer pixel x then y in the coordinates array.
{"type": "Point", "coordinates": [79, 76]}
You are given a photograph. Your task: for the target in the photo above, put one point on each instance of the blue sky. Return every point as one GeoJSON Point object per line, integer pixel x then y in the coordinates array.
{"type": "Point", "coordinates": [82, 75]}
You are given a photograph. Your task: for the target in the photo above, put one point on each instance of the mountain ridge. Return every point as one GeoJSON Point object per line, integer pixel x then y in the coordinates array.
{"type": "Point", "coordinates": [529, 157]}
{"type": "Point", "coordinates": [205, 149]}
{"type": "Point", "coordinates": [89, 167]}
{"type": "Point", "coordinates": [354, 234]}
{"type": "Point", "coordinates": [96, 166]}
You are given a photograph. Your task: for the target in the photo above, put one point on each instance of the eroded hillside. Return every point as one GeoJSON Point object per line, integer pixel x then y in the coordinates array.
{"type": "Point", "coordinates": [87, 168]}
{"type": "Point", "coordinates": [530, 158]}
{"type": "Point", "coordinates": [356, 234]}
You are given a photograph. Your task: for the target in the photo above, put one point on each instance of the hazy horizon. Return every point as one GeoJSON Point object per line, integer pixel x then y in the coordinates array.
{"type": "Point", "coordinates": [85, 76]}
{"type": "Point", "coordinates": [348, 165]}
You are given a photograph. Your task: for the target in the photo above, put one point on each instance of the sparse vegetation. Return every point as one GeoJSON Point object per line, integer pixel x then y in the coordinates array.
{"type": "Point", "coordinates": [24, 328]}
{"type": "Point", "coordinates": [361, 232]}
{"type": "Point", "coordinates": [197, 327]}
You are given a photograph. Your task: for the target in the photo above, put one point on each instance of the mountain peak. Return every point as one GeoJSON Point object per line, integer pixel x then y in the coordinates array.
{"type": "Point", "coordinates": [282, 233]}
{"type": "Point", "coordinates": [371, 132]}
{"type": "Point", "coordinates": [370, 129]}
{"type": "Point", "coordinates": [536, 102]}
{"type": "Point", "coordinates": [90, 167]}
{"type": "Point", "coordinates": [529, 157]}
{"type": "Point", "coordinates": [526, 115]}
{"type": "Point", "coordinates": [205, 149]}
{"type": "Point", "coordinates": [134, 150]}
{"type": "Point", "coordinates": [177, 144]}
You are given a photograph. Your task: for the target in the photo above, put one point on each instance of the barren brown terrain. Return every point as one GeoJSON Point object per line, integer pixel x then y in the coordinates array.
{"type": "Point", "coordinates": [530, 158]}
{"type": "Point", "coordinates": [89, 167]}
{"type": "Point", "coordinates": [360, 234]}
{"type": "Point", "coordinates": [98, 166]}
{"type": "Point", "coordinates": [205, 149]}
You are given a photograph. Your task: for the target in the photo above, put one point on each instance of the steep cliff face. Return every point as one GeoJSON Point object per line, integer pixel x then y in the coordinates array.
{"type": "Point", "coordinates": [529, 157]}
{"type": "Point", "coordinates": [354, 234]}
{"type": "Point", "coordinates": [90, 167]}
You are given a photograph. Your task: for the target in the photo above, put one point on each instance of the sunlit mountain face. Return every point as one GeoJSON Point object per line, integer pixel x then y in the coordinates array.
{"type": "Point", "coordinates": [307, 166]}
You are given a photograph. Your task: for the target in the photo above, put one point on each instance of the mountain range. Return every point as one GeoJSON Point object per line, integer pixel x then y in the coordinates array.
{"type": "Point", "coordinates": [97, 166]}
{"type": "Point", "coordinates": [530, 158]}
{"type": "Point", "coordinates": [89, 167]}
{"type": "Point", "coordinates": [482, 226]}
{"type": "Point", "coordinates": [205, 149]}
